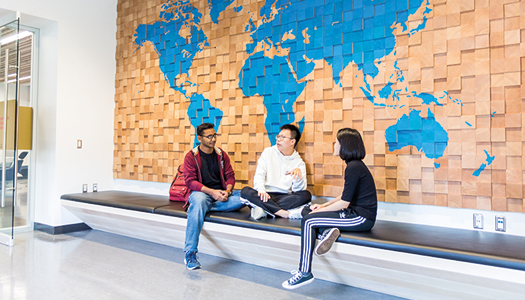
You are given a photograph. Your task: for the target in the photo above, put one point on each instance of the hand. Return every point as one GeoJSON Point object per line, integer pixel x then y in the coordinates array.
{"type": "Point", "coordinates": [264, 196]}
{"type": "Point", "coordinates": [219, 195]}
{"type": "Point", "coordinates": [225, 195]}
{"type": "Point", "coordinates": [296, 173]}
{"type": "Point", "coordinates": [315, 207]}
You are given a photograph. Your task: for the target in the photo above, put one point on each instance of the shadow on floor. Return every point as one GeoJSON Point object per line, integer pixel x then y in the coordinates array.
{"type": "Point", "coordinates": [319, 289]}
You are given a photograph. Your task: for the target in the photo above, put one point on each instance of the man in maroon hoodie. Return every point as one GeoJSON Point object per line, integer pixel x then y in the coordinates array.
{"type": "Point", "coordinates": [210, 178]}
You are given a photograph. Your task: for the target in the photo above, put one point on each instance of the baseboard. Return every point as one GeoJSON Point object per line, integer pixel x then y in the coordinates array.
{"type": "Point", "coordinates": [61, 229]}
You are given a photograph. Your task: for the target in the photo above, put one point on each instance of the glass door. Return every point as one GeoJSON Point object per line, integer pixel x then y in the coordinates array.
{"type": "Point", "coordinates": [9, 108]}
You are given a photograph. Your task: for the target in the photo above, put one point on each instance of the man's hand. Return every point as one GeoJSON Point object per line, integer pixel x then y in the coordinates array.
{"type": "Point", "coordinates": [225, 196]}
{"type": "Point", "coordinates": [219, 195]}
{"type": "Point", "coordinates": [264, 196]}
{"type": "Point", "coordinates": [296, 173]}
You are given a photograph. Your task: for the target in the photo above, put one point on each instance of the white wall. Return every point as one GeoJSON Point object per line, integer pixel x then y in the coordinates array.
{"type": "Point", "coordinates": [75, 98]}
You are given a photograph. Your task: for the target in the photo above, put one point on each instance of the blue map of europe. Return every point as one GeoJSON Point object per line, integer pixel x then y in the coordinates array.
{"type": "Point", "coordinates": [338, 32]}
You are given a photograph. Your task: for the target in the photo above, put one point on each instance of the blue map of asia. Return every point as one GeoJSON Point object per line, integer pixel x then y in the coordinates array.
{"type": "Point", "coordinates": [338, 32]}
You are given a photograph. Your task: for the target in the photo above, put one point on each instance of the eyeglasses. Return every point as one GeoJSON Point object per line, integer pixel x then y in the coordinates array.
{"type": "Point", "coordinates": [211, 136]}
{"type": "Point", "coordinates": [281, 137]}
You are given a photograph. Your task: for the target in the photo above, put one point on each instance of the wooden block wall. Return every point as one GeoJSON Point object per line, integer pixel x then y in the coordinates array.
{"type": "Point", "coordinates": [469, 56]}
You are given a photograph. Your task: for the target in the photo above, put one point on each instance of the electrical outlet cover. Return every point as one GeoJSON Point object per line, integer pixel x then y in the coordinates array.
{"type": "Point", "coordinates": [501, 223]}
{"type": "Point", "coordinates": [478, 221]}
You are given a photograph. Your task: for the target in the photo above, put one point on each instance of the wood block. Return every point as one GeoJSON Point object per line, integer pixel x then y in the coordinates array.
{"type": "Point", "coordinates": [515, 177]}
{"type": "Point", "coordinates": [515, 205]}
{"type": "Point", "coordinates": [484, 203]}
{"type": "Point", "coordinates": [455, 201]}
{"type": "Point", "coordinates": [514, 191]}
{"type": "Point", "coordinates": [514, 148]}
{"type": "Point", "coordinates": [416, 198]}
{"type": "Point", "coordinates": [428, 199]}
{"type": "Point", "coordinates": [513, 120]}
{"type": "Point", "coordinates": [441, 200]}
{"type": "Point", "coordinates": [499, 204]}
{"type": "Point", "coordinates": [469, 201]}
{"type": "Point", "coordinates": [391, 196]}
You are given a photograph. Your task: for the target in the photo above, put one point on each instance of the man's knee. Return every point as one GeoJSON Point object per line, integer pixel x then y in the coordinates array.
{"type": "Point", "coordinates": [305, 195]}
{"type": "Point", "coordinates": [247, 192]}
{"type": "Point", "coordinates": [199, 200]}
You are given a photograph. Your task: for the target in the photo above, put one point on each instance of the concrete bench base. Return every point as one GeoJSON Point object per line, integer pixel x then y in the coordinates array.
{"type": "Point", "coordinates": [396, 273]}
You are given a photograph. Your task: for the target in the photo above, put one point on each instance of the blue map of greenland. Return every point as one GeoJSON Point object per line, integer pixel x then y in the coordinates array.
{"type": "Point", "coordinates": [284, 48]}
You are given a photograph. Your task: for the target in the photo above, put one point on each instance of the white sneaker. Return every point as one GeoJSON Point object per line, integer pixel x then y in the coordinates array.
{"type": "Point", "coordinates": [258, 213]}
{"type": "Point", "coordinates": [295, 213]}
{"type": "Point", "coordinates": [245, 201]}
{"type": "Point", "coordinates": [326, 241]}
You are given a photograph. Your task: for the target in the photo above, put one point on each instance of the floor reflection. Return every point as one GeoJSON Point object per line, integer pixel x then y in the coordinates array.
{"type": "Point", "coordinates": [21, 211]}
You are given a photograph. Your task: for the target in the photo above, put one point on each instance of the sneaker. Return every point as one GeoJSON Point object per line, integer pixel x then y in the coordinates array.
{"type": "Point", "coordinates": [298, 280]}
{"type": "Point", "coordinates": [295, 213]}
{"type": "Point", "coordinates": [258, 213]}
{"type": "Point", "coordinates": [191, 260]}
{"type": "Point", "coordinates": [245, 201]}
{"type": "Point", "coordinates": [326, 241]}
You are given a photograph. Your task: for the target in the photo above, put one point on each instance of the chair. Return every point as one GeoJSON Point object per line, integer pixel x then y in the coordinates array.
{"type": "Point", "coordinates": [11, 169]}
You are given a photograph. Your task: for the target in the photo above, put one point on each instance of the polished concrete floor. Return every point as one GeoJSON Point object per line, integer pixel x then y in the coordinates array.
{"type": "Point", "coordinates": [98, 265]}
{"type": "Point", "coordinates": [20, 216]}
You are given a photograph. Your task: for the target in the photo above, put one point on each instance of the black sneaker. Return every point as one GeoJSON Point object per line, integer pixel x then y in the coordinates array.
{"type": "Point", "coordinates": [326, 241]}
{"type": "Point", "coordinates": [298, 280]}
{"type": "Point", "coordinates": [191, 260]}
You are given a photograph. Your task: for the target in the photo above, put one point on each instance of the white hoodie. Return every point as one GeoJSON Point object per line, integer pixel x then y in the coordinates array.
{"type": "Point", "coordinates": [271, 167]}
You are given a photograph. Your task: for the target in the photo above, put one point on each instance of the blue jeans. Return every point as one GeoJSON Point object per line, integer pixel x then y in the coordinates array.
{"type": "Point", "coordinates": [200, 204]}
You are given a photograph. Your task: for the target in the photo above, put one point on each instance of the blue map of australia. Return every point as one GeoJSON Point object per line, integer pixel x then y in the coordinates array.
{"type": "Point", "coordinates": [283, 52]}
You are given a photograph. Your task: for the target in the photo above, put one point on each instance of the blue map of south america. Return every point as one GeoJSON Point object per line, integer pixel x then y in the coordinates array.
{"type": "Point", "coordinates": [288, 38]}
{"type": "Point", "coordinates": [176, 54]}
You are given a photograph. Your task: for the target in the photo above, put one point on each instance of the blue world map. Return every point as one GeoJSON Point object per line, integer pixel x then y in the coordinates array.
{"type": "Point", "coordinates": [284, 49]}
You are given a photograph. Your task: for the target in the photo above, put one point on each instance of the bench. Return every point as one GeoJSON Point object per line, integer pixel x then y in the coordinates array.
{"type": "Point", "coordinates": [409, 260]}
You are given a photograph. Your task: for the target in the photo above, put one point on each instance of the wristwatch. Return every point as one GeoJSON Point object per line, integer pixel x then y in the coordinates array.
{"type": "Point", "coordinates": [229, 193]}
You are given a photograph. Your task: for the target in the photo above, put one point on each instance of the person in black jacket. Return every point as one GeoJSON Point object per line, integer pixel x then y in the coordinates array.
{"type": "Point", "coordinates": [354, 210]}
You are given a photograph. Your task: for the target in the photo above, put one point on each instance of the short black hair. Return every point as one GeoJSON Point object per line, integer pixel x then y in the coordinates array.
{"type": "Point", "coordinates": [204, 126]}
{"type": "Point", "coordinates": [352, 146]}
{"type": "Point", "coordinates": [296, 135]}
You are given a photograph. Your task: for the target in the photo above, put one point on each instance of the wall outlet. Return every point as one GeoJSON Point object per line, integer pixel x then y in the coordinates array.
{"type": "Point", "coordinates": [501, 223]}
{"type": "Point", "coordinates": [95, 187]}
{"type": "Point", "coordinates": [79, 144]}
{"type": "Point", "coordinates": [478, 221]}
{"type": "Point", "coordinates": [84, 188]}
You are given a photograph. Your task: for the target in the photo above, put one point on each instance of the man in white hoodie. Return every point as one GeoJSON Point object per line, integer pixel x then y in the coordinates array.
{"type": "Point", "coordinates": [280, 179]}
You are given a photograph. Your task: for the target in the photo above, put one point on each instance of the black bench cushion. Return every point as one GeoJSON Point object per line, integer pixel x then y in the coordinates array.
{"type": "Point", "coordinates": [238, 218]}
{"type": "Point", "coordinates": [120, 199]}
{"type": "Point", "coordinates": [479, 247]}
{"type": "Point", "coordinates": [486, 248]}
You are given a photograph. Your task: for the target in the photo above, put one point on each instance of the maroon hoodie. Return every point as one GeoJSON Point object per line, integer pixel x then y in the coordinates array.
{"type": "Point", "coordinates": [192, 169]}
